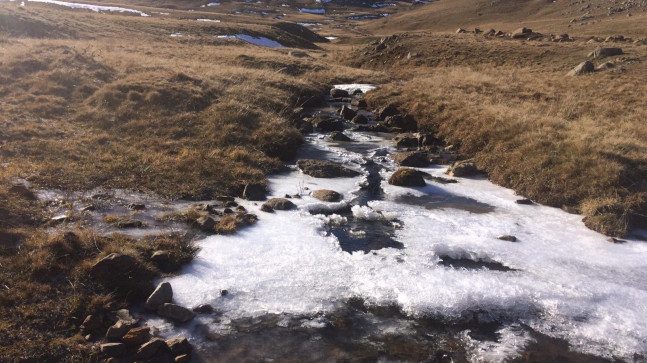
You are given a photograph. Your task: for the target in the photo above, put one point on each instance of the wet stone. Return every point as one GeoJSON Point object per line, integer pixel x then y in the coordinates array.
{"type": "Point", "coordinates": [203, 309]}
{"type": "Point", "coordinates": [507, 237]}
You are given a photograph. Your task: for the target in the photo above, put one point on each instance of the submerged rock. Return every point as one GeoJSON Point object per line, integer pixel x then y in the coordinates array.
{"type": "Point", "coordinates": [326, 195]}
{"type": "Point", "coordinates": [174, 312]}
{"type": "Point", "coordinates": [406, 177]}
{"type": "Point", "coordinates": [347, 113]}
{"type": "Point", "coordinates": [338, 136]}
{"type": "Point", "coordinates": [325, 169]}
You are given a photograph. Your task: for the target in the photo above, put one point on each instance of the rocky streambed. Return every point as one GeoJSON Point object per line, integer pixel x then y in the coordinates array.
{"type": "Point", "coordinates": [355, 258]}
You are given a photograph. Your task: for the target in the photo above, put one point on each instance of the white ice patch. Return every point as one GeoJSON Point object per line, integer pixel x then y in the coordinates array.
{"type": "Point", "coordinates": [96, 8]}
{"type": "Point", "coordinates": [209, 20]}
{"type": "Point", "coordinates": [356, 86]}
{"type": "Point", "coordinates": [332, 38]}
{"type": "Point", "coordinates": [368, 213]}
{"type": "Point", "coordinates": [177, 35]}
{"type": "Point", "coordinates": [312, 11]}
{"type": "Point", "coordinates": [260, 41]}
{"type": "Point", "coordinates": [210, 4]}
{"type": "Point", "coordinates": [569, 281]}
{"type": "Point", "coordinates": [513, 340]}
{"type": "Point", "coordinates": [308, 25]}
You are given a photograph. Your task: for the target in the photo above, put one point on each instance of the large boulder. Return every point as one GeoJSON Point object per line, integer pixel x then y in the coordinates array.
{"type": "Point", "coordinates": [347, 113]}
{"type": "Point", "coordinates": [339, 136]}
{"type": "Point", "coordinates": [174, 312]}
{"type": "Point", "coordinates": [112, 266]}
{"type": "Point", "coordinates": [405, 141]}
{"type": "Point", "coordinates": [465, 168]}
{"type": "Point", "coordinates": [521, 33]}
{"type": "Point", "coordinates": [136, 336]}
{"type": "Point", "coordinates": [582, 68]}
{"type": "Point", "coordinates": [179, 346]}
{"type": "Point", "coordinates": [278, 204]}
{"type": "Point", "coordinates": [326, 195]}
{"type": "Point", "coordinates": [148, 350]}
{"type": "Point", "coordinates": [406, 177]}
{"type": "Point", "coordinates": [162, 294]}
{"type": "Point", "coordinates": [338, 93]}
{"type": "Point", "coordinates": [403, 122]}
{"type": "Point", "coordinates": [605, 52]}
{"type": "Point", "coordinates": [412, 158]}
{"type": "Point", "coordinates": [325, 169]}
{"type": "Point", "coordinates": [390, 110]}
{"type": "Point", "coordinates": [254, 191]}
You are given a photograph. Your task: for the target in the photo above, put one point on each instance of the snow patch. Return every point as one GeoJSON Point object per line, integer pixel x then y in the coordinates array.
{"type": "Point", "coordinates": [96, 8]}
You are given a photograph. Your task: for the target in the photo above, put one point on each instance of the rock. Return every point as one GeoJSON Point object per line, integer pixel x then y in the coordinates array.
{"type": "Point", "coordinates": [521, 33]}
{"type": "Point", "coordinates": [206, 223]}
{"type": "Point", "coordinates": [405, 141]}
{"type": "Point", "coordinates": [224, 292]}
{"type": "Point", "coordinates": [174, 312]}
{"type": "Point", "coordinates": [92, 323]}
{"type": "Point", "coordinates": [179, 346]}
{"type": "Point", "coordinates": [389, 110]}
{"type": "Point", "coordinates": [336, 93]}
{"type": "Point", "coordinates": [338, 136]}
{"type": "Point", "coordinates": [347, 113]}
{"type": "Point", "coordinates": [462, 169]}
{"type": "Point", "coordinates": [499, 34]}
{"type": "Point", "coordinates": [136, 336]}
{"type": "Point", "coordinates": [358, 102]}
{"type": "Point", "coordinates": [524, 201]}
{"type": "Point", "coordinates": [411, 55]}
{"type": "Point", "coordinates": [184, 358]}
{"type": "Point", "coordinates": [427, 139]}
{"type": "Point", "coordinates": [582, 68]}
{"type": "Point", "coordinates": [491, 32]}
{"type": "Point", "coordinates": [113, 349]}
{"type": "Point", "coordinates": [148, 350]}
{"type": "Point", "coordinates": [162, 294]}
{"type": "Point", "coordinates": [119, 329]}
{"type": "Point", "coordinates": [266, 208]}
{"type": "Point", "coordinates": [616, 240]}
{"type": "Point", "coordinates": [305, 127]}
{"type": "Point", "coordinates": [113, 267]}
{"type": "Point", "coordinates": [507, 237]}
{"type": "Point", "coordinates": [477, 31]}
{"type": "Point", "coordinates": [461, 31]}
{"type": "Point", "coordinates": [254, 191]}
{"type": "Point", "coordinates": [407, 178]}
{"type": "Point", "coordinates": [326, 195]}
{"type": "Point", "coordinates": [325, 169]}
{"type": "Point", "coordinates": [280, 204]}
{"type": "Point", "coordinates": [412, 158]}
{"type": "Point", "coordinates": [605, 52]}
{"type": "Point", "coordinates": [136, 206]}
{"type": "Point", "coordinates": [404, 122]}
{"type": "Point", "coordinates": [297, 53]}
{"type": "Point", "coordinates": [328, 124]}
{"type": "Point", "coordinates": [124, 315]}
{"type": "Point", "coordinates": [606, 65]}
{"type": "Point", "coordinates": [164, 261]}
{"type": "Point", "coordinates": [203, 309]}
{"type": "Point", "coordinates": [359, 119]}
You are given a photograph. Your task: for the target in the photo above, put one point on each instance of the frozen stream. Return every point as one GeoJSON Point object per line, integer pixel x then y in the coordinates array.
{"type": "Point", "coordinates": [394, 273]}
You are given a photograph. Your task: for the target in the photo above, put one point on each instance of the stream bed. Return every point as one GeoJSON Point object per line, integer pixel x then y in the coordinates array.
{"type": "Point", "coordinates": [410, 274]}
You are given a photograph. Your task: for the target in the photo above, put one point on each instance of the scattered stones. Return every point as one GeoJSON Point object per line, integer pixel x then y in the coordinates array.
{"type": "Point", "coordinates": [582, 68]}
{"type": "Point", "coordinates": [347, 113]}
{"type": "Point", "coordinates": [359, 119]}
{"type": "Point", "coordinates": [113, 349]}
{"type": "Point", "coordinates": [326, 195]}
{"type": "Point", "coordinates": [465, 168]}
{"type": "Point", "coordinates": [203, 309]}
{"type": "Point", "coordinates": [339, 136]}
{"type": "Point", "coordinates": [336, 93]}
{"type": "Point", "coordinates": [606, 65]}
{"type": "Point", "coordinates": [407, 178]}
{"type": "Point", "coordinates": [507, 237]}
{"type": "Point", "coordinates": [279, 204]}
{"type": "Point", "coordinates": [405, 141]}
{"type": "Point", "coordinates": [174, 312]}
{"type": "Point", "coordinates": [605, 52]}
{"type": "Point", "coordinates": [206, 223]}
{"type": "Point", "coordinates": [325, 169]}
{"type": "Point", "coordinates": [148, 350]}
{"type": "Point", "coordinates": [524, 201]}
{"type": "Point", "coordinates": [412, 158]}
{"type": "Point", "coordinates": [521, 33]}
{"type": "Point", "coordinates": [136, 336]}
{"type": "Point", "coordinates": [162, 294]}
{"type": "Point", "coordinates": [254, 191]}
{"type": "Point", "coordinates": [179, 346]}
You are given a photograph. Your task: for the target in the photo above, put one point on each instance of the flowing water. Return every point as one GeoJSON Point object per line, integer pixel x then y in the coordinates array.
{"type": "Point", "coordinates": [411, 274]}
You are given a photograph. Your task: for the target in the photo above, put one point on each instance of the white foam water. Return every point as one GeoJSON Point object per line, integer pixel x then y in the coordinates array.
{"type": "Point", "coordinates": [566, 281]}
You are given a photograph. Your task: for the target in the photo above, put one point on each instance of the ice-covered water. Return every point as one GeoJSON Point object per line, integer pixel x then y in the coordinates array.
{"type": "Point", "coordinates": [560, 278]}
{"type": "Point", "coordinates": [312, 11]}
{"type": "Point", "coordinates": [96, 8]}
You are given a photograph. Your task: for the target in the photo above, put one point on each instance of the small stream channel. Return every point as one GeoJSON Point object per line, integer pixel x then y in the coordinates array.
{"type": "Point", "coordinates": [410, 274]}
